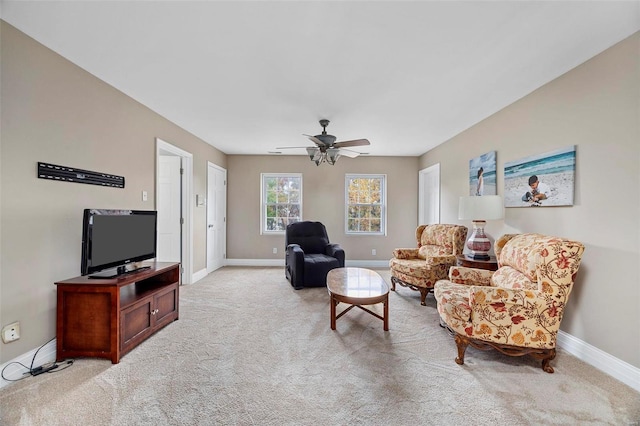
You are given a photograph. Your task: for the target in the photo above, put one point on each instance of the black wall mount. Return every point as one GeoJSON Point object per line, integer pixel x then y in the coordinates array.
{"type": "Point", "coordinates": [71, 174]}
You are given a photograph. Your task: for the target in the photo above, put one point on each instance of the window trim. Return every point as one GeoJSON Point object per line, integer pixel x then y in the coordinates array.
{"type": "Point", "coordinates": [383, 202]}
{"type": "Point", "coordinates": [263, 200]}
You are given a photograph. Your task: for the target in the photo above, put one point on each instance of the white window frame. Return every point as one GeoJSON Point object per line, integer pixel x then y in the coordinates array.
{"type": "Point", "coordinates": [263, 199]}
{"type": "Point", "coordinates": [383, 203]}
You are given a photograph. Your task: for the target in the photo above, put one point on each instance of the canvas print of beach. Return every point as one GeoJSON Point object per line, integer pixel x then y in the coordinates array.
{"type": "Point", "coordinates": [482, 174]}
{"type": "Point", "coordinates": [541, 180]}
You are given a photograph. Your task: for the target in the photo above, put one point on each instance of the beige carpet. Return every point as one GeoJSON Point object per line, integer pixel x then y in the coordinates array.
{"type": "Point", "coordinates": [250, 350]}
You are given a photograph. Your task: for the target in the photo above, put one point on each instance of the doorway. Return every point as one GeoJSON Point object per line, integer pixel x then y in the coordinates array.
{"type": "Point", "coordinates": [216, 217]}
{"type": "Point", "coordinates": [174, 175]}
{"type": "Point", "coordinates": [429, 195]}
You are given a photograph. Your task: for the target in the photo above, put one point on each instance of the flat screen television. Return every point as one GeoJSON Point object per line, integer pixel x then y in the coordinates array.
{"type": "Point", "coordinates": [115, 238]}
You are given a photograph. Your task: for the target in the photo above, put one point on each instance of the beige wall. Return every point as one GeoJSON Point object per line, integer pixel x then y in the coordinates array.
{"type": "Point", "coordinates": [595, 107]}
{"type": "Point", "coordinates": [323, 200]}
{"type": "Point", "coordinates": [55, 112]}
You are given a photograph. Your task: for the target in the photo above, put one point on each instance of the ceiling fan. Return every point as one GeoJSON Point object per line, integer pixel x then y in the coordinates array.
{"type": "Point", "coordinates": [327, 149]}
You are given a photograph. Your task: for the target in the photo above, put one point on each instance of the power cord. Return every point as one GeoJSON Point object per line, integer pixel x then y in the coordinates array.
{"type": "Point", "coordinates": [35, 371]}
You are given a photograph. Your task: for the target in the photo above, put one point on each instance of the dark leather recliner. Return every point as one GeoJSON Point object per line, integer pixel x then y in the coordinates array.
{"type": "Point", "coordinates": [309, 254]}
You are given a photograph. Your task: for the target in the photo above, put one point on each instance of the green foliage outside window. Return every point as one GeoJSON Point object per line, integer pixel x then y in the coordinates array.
{"type": "Point", "coordinates": [282, 201]}
{"type": "Point", "coordinates": [365, 204]}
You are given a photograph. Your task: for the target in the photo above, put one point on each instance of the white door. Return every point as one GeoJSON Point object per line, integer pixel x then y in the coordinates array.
{"type": "Point", "coordinates": [429, 195]}
{"type": "Point", "coordinates": [169, 209]}
{"type": "Point", "coordinates": [216, 217]}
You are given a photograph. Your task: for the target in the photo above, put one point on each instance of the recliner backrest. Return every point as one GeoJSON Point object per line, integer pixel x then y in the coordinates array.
{"type": "Point", "coordinates": [311, 236]}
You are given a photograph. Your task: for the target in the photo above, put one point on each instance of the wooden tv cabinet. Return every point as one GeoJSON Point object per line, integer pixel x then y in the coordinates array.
{"type": "Point", "coordinates": [106, 318]}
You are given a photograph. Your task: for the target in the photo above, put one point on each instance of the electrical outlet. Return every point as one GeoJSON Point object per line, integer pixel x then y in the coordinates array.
{"type": "Point", "coordinates": [11, 332]}
{"type": "Point", "coordinates": [275, 250]}
{"type": "Point", "coordinates": [373, 252]}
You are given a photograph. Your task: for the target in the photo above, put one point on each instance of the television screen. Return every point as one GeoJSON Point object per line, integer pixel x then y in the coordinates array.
{"type": "Point", "coordinates": [114, 238]}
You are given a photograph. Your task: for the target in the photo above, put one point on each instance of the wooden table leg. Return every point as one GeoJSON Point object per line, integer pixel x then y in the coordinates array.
{"type": "Point", "coordinates": [385, 313]}
{"type": "Point", "coordinates": [333, 313]}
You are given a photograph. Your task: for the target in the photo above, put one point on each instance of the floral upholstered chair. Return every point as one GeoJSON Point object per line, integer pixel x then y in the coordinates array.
{"type": "Point", "coordinates": [518, 308]}
{"type": "Point", "coordinates": [419, 268]}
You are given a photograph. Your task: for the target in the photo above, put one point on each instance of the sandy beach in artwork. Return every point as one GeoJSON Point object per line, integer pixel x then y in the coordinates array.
{"type": "Point", "coordinates": [561, 190]}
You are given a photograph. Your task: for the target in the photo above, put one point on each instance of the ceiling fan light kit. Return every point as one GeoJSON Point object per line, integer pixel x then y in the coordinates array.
{"type": "Point", "coordinates": [329, 156]}
{"type": "Point", "coordinates": [327, 150]}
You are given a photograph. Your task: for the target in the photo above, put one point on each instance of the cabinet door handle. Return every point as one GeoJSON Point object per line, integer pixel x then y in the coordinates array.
{"type": "Point", "coordinates": [155, 311]}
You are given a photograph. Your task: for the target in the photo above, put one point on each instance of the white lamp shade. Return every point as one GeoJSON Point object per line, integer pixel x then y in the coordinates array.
{"type": "Point", "coordinates": [483, 207]}
{"type": "Point", "coordinates": [332, 155]}
{"type": "Point", "coordinates": [314, 153]}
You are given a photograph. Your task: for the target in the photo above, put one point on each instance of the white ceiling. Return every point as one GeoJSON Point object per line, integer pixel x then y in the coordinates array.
{"type": "Point", "coordinates": [248, 77]}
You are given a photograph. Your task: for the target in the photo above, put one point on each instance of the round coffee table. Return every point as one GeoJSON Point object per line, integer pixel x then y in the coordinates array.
{"type": "Point", "coordinates": [357, 287]}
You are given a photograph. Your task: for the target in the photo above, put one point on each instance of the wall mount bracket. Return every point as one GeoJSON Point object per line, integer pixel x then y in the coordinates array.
{"type": "Point", "coordinates": [72, 174]}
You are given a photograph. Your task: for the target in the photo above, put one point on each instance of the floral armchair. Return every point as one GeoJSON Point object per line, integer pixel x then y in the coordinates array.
{"type": "Point", "coordinates": [517, 309]}
{"type": "Point", "coordinates": [419, 268]}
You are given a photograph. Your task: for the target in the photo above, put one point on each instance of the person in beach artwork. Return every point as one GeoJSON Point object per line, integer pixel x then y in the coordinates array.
{"type": "Point", "coordinates": [539, 191]}
{"type": "Point", "coordinates": [480, 187]}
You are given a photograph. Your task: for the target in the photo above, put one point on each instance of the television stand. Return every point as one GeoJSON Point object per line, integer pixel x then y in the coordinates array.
{"type": "Point", "coordinates": [106, 318]}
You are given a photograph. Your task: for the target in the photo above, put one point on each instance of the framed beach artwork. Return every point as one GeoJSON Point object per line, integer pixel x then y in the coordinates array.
{"type": "Point", "coordinates": [482, 174]}
{"type": "Point", "coordinates": [541, 180]}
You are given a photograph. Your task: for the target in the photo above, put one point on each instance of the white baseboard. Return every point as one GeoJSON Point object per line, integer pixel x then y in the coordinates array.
{"type": "Point", "coordinates": [14, 371]}
{"type": "Point", "coordinates": [197, 276]}
{"type": "Point", "coordinates": [618, 369]}
{"type": "Point", "coordinates": [280, 262]}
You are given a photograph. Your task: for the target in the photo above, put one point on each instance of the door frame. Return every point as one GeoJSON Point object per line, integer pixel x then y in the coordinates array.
{"type": "Point", "coordinates": [422, 177]}
{"type": "Point", "coordinates": [222, 169]}
{"type": "Point", "coordinates": [165, 148]}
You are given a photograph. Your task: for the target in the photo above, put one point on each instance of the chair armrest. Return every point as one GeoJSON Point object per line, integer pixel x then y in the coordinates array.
{"type": "Point", "coordinates": [295, 254]}
{"type": "Point", "coordinates": [405, 253]}
{"type": "Point", "coordinates": [442, 260]}
{"type": "Point", "coordinates": [334, 250]}
{"type": "Point", "coordinates": [470, 276]}
{"type": "Point", "coordinates": [295, 248]}
{"type": "Point", "coordinates": [295, 262]}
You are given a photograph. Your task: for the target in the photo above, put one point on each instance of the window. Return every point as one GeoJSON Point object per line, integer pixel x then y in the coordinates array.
{"type": "Point", "coordinates": [365, 204]}
{"type": "Point", "coordinates": [281, 201]}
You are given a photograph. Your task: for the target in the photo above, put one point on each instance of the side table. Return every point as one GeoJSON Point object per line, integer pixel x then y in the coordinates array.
{"type": "Point", "coordinates": [490, 265]}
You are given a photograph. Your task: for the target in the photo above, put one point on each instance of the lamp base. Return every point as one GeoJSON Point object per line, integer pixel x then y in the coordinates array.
{"type": "Point", "coordinates": [478, 256]}
{"type": "Point", "coordinates": [478, 243]}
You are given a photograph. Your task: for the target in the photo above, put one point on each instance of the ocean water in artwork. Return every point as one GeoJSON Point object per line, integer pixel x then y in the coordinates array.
{"type": "Point", "coordinates": [555, 168]}
{"type": "Point", "coordinates": [488, 163]}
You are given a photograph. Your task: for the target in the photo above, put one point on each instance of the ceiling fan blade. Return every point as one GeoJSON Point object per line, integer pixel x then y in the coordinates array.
{"type": "Point", "coordinates": [315, 140]}
{"type": "Point", "coordinates": [355, 142]}
{"type": "Point", "coordinates": [291, 147]}
{"type": "Point", "coordinates": [348, 153]}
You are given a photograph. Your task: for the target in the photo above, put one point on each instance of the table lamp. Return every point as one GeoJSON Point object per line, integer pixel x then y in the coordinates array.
{"type": "Point", "coordinates": [479, 209]}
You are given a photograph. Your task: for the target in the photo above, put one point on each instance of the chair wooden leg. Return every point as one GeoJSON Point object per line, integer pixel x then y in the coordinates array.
{"type": "Point", "coordinates": [551, 354]}
{"type": "Point", "coordinates": [423, 296]}
{"type": "Point", "coordinates": [423, 290]}
{"type": "Point", "coordinates": [462, 344]}
{"type": "Point", "coordinates": [545, 355]}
